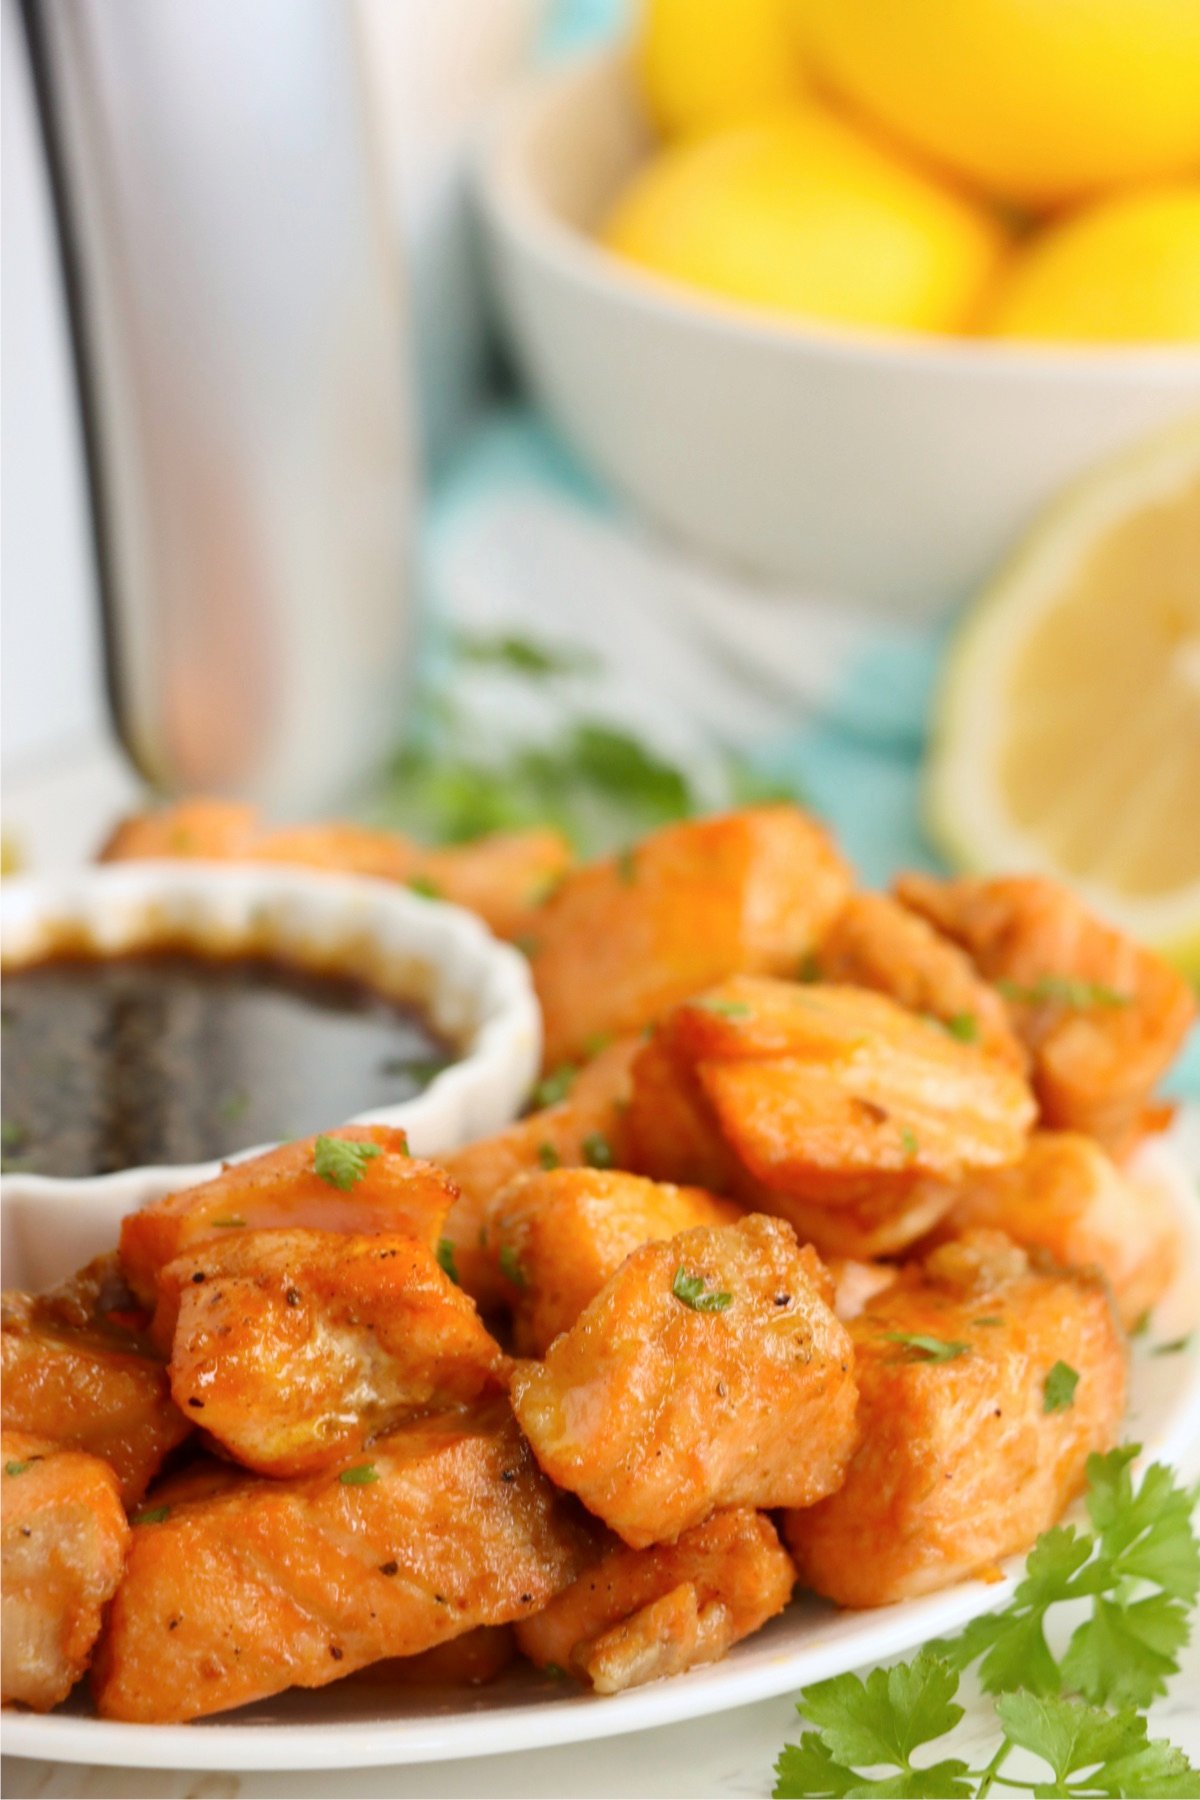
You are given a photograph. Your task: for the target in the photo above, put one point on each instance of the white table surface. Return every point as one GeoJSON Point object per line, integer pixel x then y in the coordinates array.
{"type": "Point", "coordinates": [52, 815]}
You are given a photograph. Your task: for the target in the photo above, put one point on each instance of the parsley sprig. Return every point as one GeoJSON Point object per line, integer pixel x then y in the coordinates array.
{"type": "Point", "coordinates": [342, 1162]}
{"type": "Point", "coordinates": [1078, 1713]}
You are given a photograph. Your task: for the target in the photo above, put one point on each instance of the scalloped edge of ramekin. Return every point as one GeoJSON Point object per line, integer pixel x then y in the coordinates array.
{"type": "Point", "coordinates": [474, 988]}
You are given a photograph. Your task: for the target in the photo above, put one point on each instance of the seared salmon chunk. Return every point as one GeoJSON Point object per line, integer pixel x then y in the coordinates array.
{"type": "Point", "coordinates": [296, 1185]}
{"type": "Point", "coordinates": [64, 1537]}
{"type": "Point", "coordinates": [985, 1385]}
{"type": "Point", "coordinates": [637, 1615]}
{"type": "Point", "coordinates": [444, 1525]}
{"type": "Point", "coordinates": [294, 1348]}
{"type": "Point", "coordinates": [1101, 1016]}
{"type": "Point", "coordinates": [79, 1370]}
{"type": "Point", "coordinates": [623, 940]}
{"type": "Point", "coordinates": [708, 1371]}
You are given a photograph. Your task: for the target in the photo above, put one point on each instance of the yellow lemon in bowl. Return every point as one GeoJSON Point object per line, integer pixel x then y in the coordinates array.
{"type": "Point", "coordinates": [703, 64]}
{"type": "Point", "coordinates": [1038, 101]}
{"type": "Point", "coordinates": [800, 213]}
{"type": "Point", "coordinates": [1126, 270]}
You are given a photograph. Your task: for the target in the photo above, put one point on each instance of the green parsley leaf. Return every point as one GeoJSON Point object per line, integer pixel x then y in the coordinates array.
{"type": "Point", "coordinates": [1074, 1738]}
{"type": "Point", "coordinates": [343, 1161]}
{"type": "Point", "coordinates": [725, 1009]}
{"type": "Point", "coordinates": [17, 1468]}
{"type": "Point", "coordinates": [416, 1068]}
{"type": "Point", "coordinates": [522, 656]}
{"type": "Point", "coordinates": [597, 1151]}
{"type": "Point", "coordinates": [555, 1086]}
{"type": "Point", "coordinates": [1058, 1389]}
{"type": "Point", "coordinates": [627, 867]}
{"type": "Point", "coordinates": [445, 1257]}
{"type": "Point", "coordinates": [928, 1349]}
{"type": "Point", "coordinates": [230, 1222]}
{"type": "Point", "coordinates": [527, 944]}
{"type": "Point", "coordinates": [908, 1140]}
{"type": "Point", "coordinates": [963, 1026]}
{"type": "Point", "coordinates": [988, 1319]}
{"type": "Point", "coordinates": [1173, 1347]}
{"type": "Point", "coordinates": [808, 969]}
{"type": "Point", "coordinates": [425, 886]}
{"type": "Point", "coordinates": [880, 1722]}
{"type": "Point", "coordinates": [510, 1265]}
{"type": "Point", "coordinates": [1063, 990]}
{"type": "Point", "coordinates": [1141, 1324]}
{"type": "Point", "coordinates": [359, 1476]}
{"type": "Point", "coordinates": [595, 1042]}
{"type": "Point", "coordinates": [154, 1515]}
{"type": "Point", "coordinates": [1124, 1654]}
{"type": "Point", "coordinates": [690, 1289]}
{"type": "Point", "coordinates": [548, 1156]}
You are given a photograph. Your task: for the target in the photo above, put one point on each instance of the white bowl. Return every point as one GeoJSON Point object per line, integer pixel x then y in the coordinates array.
{"type": "Point", "coordinates": [884, 470]}
{"type": "Point", "coordinates": [473, 989]}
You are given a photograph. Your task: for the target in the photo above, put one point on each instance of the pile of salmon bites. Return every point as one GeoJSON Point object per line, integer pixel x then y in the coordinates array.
{"type": "Point", "coordinates": [815, 1263]}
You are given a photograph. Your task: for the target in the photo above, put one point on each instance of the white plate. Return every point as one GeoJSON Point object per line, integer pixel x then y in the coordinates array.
{"type": "Point", "coordinates": [361, 1722]}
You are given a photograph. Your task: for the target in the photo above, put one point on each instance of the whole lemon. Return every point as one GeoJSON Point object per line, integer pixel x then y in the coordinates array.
{"type": "Point", "coordinates": [801, 214]}
{"type": "Point", "coordinates": [1126, 270]}
{"type": "Point", "coordinates": [702, 64]}
{"type": "Point", "coordinates": [1038, 101]}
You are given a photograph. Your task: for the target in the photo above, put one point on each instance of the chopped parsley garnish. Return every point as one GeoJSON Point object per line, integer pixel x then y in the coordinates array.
{"type": "Point", "coordinates": [725, 1009]}
{"type": "Point", "coordinates": [153, 1516]}
{"type": "Point", "coordinates": [510, 1265]}
{"type": "Point", "coordinates": [928, 1349]}
{"type": "Point", "coordinates": [555, 1086]}
{"type": "Point", "coordinates": [1065, 990]}
{"type": "Point", "coordinates": [445, 1257]}
{"type": "Point", "coordinates": [1174, 1347]}
{"type": "Point", "coordinates": [988, 1319]}
{"type": "Point", "coordinates": [523, 656]}
{"type": "Point", "coordinates": [908, 1140]}
{"type": "Point", "coordinates": [343, 1161]}
{"type": "Point", "coordinates": [548, 1156]}
{"type": "Point", "coordinates": [597, 1151]}
{"type": "Point", "coordinates": [1141, 1324]}
{"type": "Point", "coordinates": [809, 969]}
{"type": "Point", "coordinates": [1058, 1389]}
{"type": "Point", "coordinates": [964, 1026]}
{"type": "Point", "coordinates": [527, 944]}
{"type": "Point", "coordinates": [359, 1475]}
{"type": "Point", "coordinates": [17, 1468]}
{"type": "Point", "coordinates": [691, 1290]}
{"type": "Point", "coordinates": [627, 867]}
{"type": "Point", "coordinates": [596, 1042]}
{"type": "Point", "coordinates": [425, 886]}
{"type": "Point", "coordinates": [230, 1222]}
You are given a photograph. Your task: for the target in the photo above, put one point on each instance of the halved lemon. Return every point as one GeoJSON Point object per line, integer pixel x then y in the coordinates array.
{"type": "Point", "coordinates": [1067, 733]}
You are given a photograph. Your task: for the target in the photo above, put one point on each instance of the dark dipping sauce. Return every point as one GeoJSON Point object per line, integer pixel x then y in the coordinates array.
{"type": "Point", "coordinates": [177, 1057]}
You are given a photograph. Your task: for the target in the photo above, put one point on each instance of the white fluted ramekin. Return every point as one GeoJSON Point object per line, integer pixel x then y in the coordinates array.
{"type": "Point", "coordinates": [474, 990]}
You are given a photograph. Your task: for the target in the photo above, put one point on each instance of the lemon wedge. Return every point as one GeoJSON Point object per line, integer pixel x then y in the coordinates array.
{"type": "Point", "coordinates": [1067, 732]}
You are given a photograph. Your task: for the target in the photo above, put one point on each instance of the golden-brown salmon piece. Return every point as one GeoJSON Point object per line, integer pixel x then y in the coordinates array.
{"type": "Point", "coordinates": [1068, 1198]}
{"type": "Point", "coordinates": [984, 1388]}
{"type": "Point", "coordinates": [79, 1370]}
{"type": "Point", "coordinates": [62, 1550]}
{"type": "Point", "coordinates": [558, 1235]}
{"type": "Point", "coordinates": [588, 1118]}
{"type": "Point", "coordinates": [1102, 1016]}
{"type": "Point", "coordinates": [295, 1348]}
{"type": "Point", "coordinates": [501, 877]}
{"type": "Point", "coordinates": [624, 939]}
{"type": "Point", "coordinates": [637, 1615]}
{"type": "Point", "coordinates": [709, 1371]}
{"type": "Point", "coordinates": [877, 943]}
{"type": "Point", "coordinates": [832, 1106]}
{"type": "Point", "coordinates": [389, 1190]}
{"type": "Point", "coordinates": [443, 1525]}
{"type": "Point", "coordinates": [215, 830]}
{"type": "Point", "coordinates": [504, 877]}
